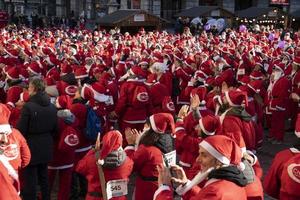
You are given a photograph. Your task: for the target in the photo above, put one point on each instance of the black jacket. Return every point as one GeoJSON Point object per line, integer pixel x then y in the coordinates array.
{"type": "Point", "coordinates": [38, 124]}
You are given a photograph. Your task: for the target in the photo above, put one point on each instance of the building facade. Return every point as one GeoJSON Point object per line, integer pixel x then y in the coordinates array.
{"type": "Point", "coordinates": [92, 9]}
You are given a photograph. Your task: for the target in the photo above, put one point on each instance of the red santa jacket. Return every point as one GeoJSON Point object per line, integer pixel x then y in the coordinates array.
{"type": "Point", "coordinates": [80, 112]}
{"type": "Point", "coordinates": [13, 94]}
{"type": "Point", "coordinates": [16, 155]}
{"type": "Point", "coordinates": [232, 127]}
{"type": "Point", "coordinates": [187, 138]}
{"type": "Point", "coordinates": [214, 189]}
{"type": "Point", "coordinates": [7, 189]}
{"type": "Point", "coordinates": [272, 182]}
{"type": "Point", "coordinates": [88, 168]}
{"type": "Point", "coordinates": [145, 159]}
{"type": "Point", "coordinates": [290, 179]}
{"type": "Point", "coordinates": [65, 146]}
{"type": "Point", "coordinates": [126, 109]}
{"type": "Point", "coordinates": [157, 93]}
{"type": "Point", "coordinates": [17, 151]}
{"type": "Point", "coordinates": [280, 94]}
{"type": "Point", "coordinates": [166, 79]}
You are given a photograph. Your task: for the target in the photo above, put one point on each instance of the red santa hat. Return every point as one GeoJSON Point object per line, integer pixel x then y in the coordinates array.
{"type": "Point", "coordinates": [178, 56]}
{"type": "Point", "coordinates": [255, 85]}
{"type": "Point", "coordinates": [279, 65]}
{"type": "Point", "coordinates": [256, 75]}
{"type": "Point", "coordinates": [23, 74]}
{"type": "Point", "coordinates": [236, 98]}
{"type": "Point", "coordinates": [100, 92]}
{"type": "Point", "coordinates": [226, 76]}
{"type": "Point", "coordinates": [4, 119]}
{"type": "Point", "coordinates": [80, 72]}
{"type": "Point", "coordinates": [244, 80]}
{"type": "Point", "coordinates": [223, 148]}
{"type": "Point", "coordinates": [209, 124]}
{"type": "Point", "coordinates": [297, 60]}
{"type": "Point", "coordinates": [52, 60]}
{"type": "Point", "coordinates": [162, 122]}
{"type": "Point", "coordinates": [189, 61]}
{"type": "Point", "coordinates": [297, 128]}
{"type": "Point", "coordinates": [13, 73]}
{"type": "Point", "coordinates": [111, 141]}
{"type": "Point", "coordinates": [34, 68]}
{"type": "Point", "coordinates": [151, 79]}
{"type": "Point", "coordinates": [24, 96]}
{"type": "Point", "coordinates": [138, 72]}
{"type": "Point", "coordinates": [13, 95]}
{"type": "Point", "coordinates": [144, 61]}
{"type": "Point", "coordinates": [63, 102]}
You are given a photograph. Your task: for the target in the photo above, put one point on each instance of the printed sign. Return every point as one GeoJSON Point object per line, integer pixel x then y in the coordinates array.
{"type": "Point", "coordinates": [139, 18]}
{"type": "Point", "coordinates": [116, 188]}
{"type": "Point", "coordinates": [171, 158]}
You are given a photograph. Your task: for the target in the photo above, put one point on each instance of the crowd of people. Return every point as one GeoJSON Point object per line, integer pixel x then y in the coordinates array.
{"type": "Point", "coordinates": [185, 114]}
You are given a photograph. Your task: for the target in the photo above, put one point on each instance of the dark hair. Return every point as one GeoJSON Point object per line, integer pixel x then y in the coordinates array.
{"type": "Point", "coordinates": [39, 84]}
{"type": "Point", "coordinates": [149, 138]}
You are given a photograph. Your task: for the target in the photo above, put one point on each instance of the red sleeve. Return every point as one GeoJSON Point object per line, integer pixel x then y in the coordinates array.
{"type": "Point", "coordinates": [232, 129]}
{"type": "Point", "coordinates": [140, 157]}
{"type": "Point", "coordinates": [81, 166]}
{"type": "Point", "coordinates": [163, 193]}
{"type": "Point", "coordinates": [272, 179]}
{"type": "Point", "coordinates": [192, 193]}
{"type": "Point", "coordinates": [24, 150]}
{"type": "Point", "coordinates": [187, 142]}
{"type": "Point", "coordinates": [123, 100]}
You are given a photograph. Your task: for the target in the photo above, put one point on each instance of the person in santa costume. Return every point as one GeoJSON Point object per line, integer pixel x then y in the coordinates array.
{"type": "Point", "coordinates": [295, 95]}
{"type": "Point", "coordinates": [7, 189]}
{"type": "Point", "coordinates": [290, 179]}
{"type": "Point", "coordinates": [220, 158]}
{"type": "Point", "coordinates": [133, 106]}
{"type": "Point", "coordinates": [116, 165]}
{"type": "Point", "coordinates": [64, 150]}
{"type": "Point", "coordinates": [148, 150]}
{"type": "Point", "coordinates": [279, 91]}
{"type": "Point", "coordinates": [187, 130]}
{"type": "Point", "coordinates": [272, 181]}
{"type": "Point", "coordinates": [14, 151]}
{"type": "Point", "coordinates": [236, 122]}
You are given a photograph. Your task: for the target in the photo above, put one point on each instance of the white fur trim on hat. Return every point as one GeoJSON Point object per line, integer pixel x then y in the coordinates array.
{"type": "Point", "coordinates": [203, 128]}
{"type": "Point", "coordinates": [208, 147]}
{"type": "Point", "coordinates": [255, 90]}
{"type": "Point", "coordinates": [153, 125]}
{"type": "Point", "coordinates": [82, 76]}
{"type": "Point", "coordinates": [5, 128]}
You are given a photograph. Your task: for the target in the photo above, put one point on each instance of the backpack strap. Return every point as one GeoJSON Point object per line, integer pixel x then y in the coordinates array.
{"type": "Point", "coordinates": [101, 176]}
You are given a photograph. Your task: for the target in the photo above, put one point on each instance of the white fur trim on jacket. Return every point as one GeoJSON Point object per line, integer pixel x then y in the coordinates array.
{"type": "Point", "coordinates": [5, 128]}
{"type": "Point", "coordinates": [160, 189]}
